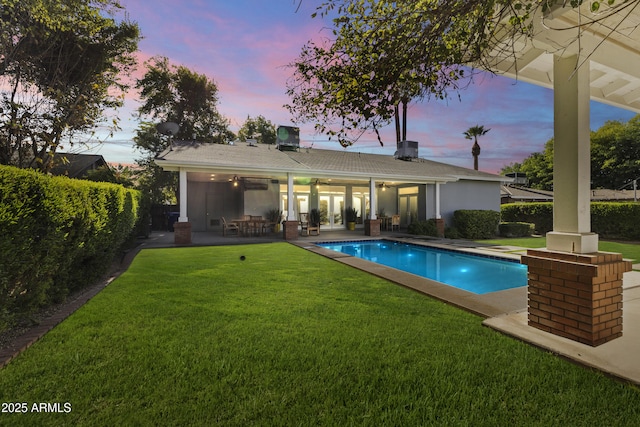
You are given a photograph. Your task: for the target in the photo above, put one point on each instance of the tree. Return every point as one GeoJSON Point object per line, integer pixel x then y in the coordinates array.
{"type": "Point", "coordinates": [473, 133]}
{"type": "Point", "coordinates": [62, 65]}
{"type": "Point", "coordinates": [538, 167]}
{"type": "Point", "coordinates": [385, 55]}
{"type": "Point", "coordinates": [260, 128]}
{"type": "Point", "coordinates": [119, 174]}
{"type": "Point", "coordinates": [615, 158]}
{"type": "Point", "coordinates": [174, 94]}
{"type": "Point", "coordinates": [615, 154]}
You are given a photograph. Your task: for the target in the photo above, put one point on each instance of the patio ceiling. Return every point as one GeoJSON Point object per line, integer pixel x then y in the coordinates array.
{"type": "Point", "coordinates": [609, 43]}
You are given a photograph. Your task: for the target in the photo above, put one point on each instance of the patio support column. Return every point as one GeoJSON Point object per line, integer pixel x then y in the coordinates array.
{"type": "Point", "coordinates": [290, 224]}
{"type": "Point", "coordinates": [183, 196]}
{"type": "Point", "coordinates": [574, 291]}
{"type": "Point", "coordinates": [182, 228]}
{"type": "Point", "coordinates": [439, 220]}
{"type": "Point", "coordinates": [372, 224]}
{"type": "Point", "coordinates": [373, 200]}
{"type": "Point", "coordinates": [438, 214]}
{"type": "Point", "coordinates": [571, 159]}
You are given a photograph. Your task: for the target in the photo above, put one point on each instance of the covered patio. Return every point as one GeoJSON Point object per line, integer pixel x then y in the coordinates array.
{"type": "Point", "coordinates": [247, 179]}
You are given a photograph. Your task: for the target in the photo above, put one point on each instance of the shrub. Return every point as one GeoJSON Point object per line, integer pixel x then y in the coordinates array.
{"type": "Point", "coordinates": [611, 220]}
{"type": "Point", "coordinates": [58, 234]}
{"type": "Point", "coordinates": [423, 228]}
{"type": "Point", "coordinates": [515, 229]}
{"type": "Point", "coordinates": [476, 224]}
{"type": "Point", "coordinates": [540, 214]}
{"type": "Point", "coordinates": [452, 233]}
{"type": "Point", "coordinates": [615, 220]}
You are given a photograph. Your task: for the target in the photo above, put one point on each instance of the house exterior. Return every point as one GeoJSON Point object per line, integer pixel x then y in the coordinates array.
{"type": "Point", "coordinates": [76, 165]}
{"type": "Point", "coordinates": [231, 180]}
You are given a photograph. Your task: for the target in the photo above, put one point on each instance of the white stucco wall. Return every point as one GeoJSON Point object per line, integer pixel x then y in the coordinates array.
{"type": "Point", "coordinates": [467, 195]}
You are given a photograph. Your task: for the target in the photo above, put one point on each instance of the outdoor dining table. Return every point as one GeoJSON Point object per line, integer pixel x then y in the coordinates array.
{"type": "Point", "coordinates": [246, 225]}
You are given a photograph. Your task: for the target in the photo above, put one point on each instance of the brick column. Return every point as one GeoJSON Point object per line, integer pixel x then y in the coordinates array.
{"type": "Point", "coordinates": [182, 233]}
{"type": "Point", "coordinates": [372, 227]}
{"type": "Point", "coordinates": [576, 296]}
{"type": "Point", "coordinates": [290, 230]}
{"type": "Point", "coordinates": [440, 227]}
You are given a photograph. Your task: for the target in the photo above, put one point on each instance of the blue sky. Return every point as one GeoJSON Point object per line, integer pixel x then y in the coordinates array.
{"type": "Point", "coordinates": [245, 45]}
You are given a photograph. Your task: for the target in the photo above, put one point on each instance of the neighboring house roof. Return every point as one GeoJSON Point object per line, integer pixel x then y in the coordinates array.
{"type": "Point", "coordinates": [76, 165]}
{"type": "Point", "coordinates": [524, 194]}
{"type": "Point", "coordinates": [612, 195]}
{"type": "Point", "coordinates": [267, 160]}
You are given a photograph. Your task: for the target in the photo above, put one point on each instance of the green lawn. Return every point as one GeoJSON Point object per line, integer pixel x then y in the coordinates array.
{"type": "Point", "coordinates": [196, 336]}
{"type": "Point", "coordinates": [628, 250]}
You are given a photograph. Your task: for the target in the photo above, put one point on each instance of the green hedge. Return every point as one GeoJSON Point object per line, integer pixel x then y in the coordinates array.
{"type": "Point", "coordinates": [423, 228]}
{"type": "Point", "coordinates": [515, 229]}
{"type": "Point", "coordinates": [616, 220]}
{"type": "Point", "coordinates": [476, 224]}
{"type": "Point", "coordinates": [58, 235]}
{"type": "Point", "coordinates": [611, 220]}
{"type": "Point", "coordinates": [540, 214]}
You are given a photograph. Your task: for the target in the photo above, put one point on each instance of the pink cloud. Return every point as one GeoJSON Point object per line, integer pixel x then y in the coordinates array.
{"type": "Point", "coordinates": [245, 45]}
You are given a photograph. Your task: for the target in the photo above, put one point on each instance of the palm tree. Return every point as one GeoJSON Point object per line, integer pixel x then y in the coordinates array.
{"type": "Point", "coordinates": [473, 133]}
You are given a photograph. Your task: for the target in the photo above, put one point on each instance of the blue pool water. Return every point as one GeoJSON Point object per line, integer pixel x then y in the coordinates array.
{"type": "Point", "coordinates": [472, 273]}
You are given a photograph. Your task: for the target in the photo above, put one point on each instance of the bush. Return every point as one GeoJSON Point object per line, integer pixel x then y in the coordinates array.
{"type": "Point", "coordinates": [452, 233]}
{"type": "Point", "coordinates": [476, 224]}
{"type": "Point", "coordinates": [58, 234]}
{"type": "Point", "coordinates": [423, 228]}
{"type": "Point", "coordinates": [611, 220]}
{"type": "Point", "coordinates": [540, 214]}
{"type": "Point", "coordinates": [615, 220]}
{"type": "Point", "coordinates": [515, 229]}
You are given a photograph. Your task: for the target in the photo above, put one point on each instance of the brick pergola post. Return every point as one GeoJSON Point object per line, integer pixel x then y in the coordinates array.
{"type": "Point", "coordinates": [576, 296]}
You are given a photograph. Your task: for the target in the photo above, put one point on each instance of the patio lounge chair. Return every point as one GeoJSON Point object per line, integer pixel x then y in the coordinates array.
{"type": "Point", "coordinates": [231, 226]}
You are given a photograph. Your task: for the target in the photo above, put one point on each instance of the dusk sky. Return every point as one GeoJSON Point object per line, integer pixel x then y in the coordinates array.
{"type": "Point", "coordinates": [245, 45]}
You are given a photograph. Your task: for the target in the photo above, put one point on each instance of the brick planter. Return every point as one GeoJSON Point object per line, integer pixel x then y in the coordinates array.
{"type": "Point", "coordinates": [182, 233]}
{"type": "Point", "coordinates": [372, 227]}
{"type": "Point", "coordinates": [576, 296]}
{"type": "Point", "coordinates": [290, 230]}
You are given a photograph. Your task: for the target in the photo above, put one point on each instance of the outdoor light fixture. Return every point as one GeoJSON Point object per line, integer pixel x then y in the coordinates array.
{"type": "Point", "coordinates": [384, 187]}
{"type": "Point", "coordinates": [317, 184]}
{"type": "Point", "coordinates": [235, 181]}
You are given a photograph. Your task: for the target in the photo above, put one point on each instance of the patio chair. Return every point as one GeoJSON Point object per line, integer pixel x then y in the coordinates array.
{"type": "Point", "coordinates": [304, 224]}
{"type": "Point", "coordinates": [395, 222]}
{"type": "Point", "coordinates": [258, 224]}
{"type": "Point", "coordinates": [231, 226]}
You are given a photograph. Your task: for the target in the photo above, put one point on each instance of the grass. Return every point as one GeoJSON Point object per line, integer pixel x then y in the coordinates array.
{"type": "Point", "coordinates": [195, 336]}
{"type": "Point", "coordinates": [628, 250]}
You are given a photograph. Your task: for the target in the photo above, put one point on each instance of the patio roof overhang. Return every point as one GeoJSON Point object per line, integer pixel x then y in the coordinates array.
{"type": "Point", "coordinates": [607, 42]}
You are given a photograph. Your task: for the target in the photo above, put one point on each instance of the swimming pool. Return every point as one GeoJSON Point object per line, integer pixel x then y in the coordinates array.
{"type": "Point", "coordinates": [472, 273]}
